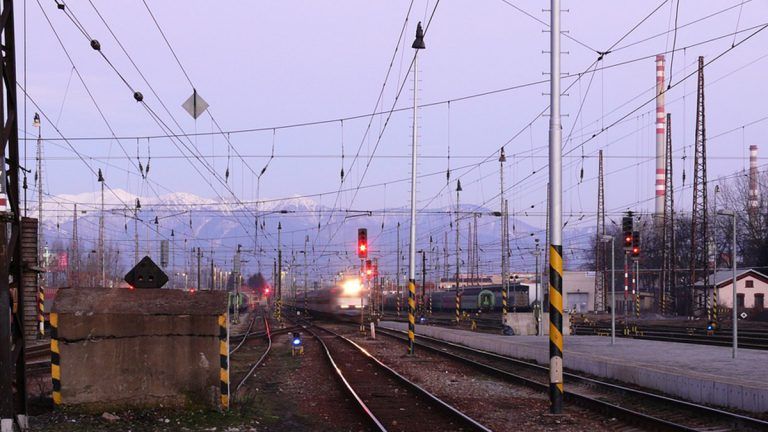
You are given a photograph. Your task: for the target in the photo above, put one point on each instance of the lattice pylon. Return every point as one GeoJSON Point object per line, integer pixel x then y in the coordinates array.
{"type": "Point", "coordinates": [600, 258]}
{"type": "Point", "coordinates": [668, 257]}
{"type": "Point", "coordinates": [699, 222]}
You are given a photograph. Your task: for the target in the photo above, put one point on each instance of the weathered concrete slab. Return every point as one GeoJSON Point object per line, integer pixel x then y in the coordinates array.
{"type": "Point", "coordinates": [698, 373]}
{"type": "Point", "coordinates": [122, 348]}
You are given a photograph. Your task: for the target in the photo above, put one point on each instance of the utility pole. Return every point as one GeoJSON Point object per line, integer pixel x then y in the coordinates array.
{"type": "Point", "coordinates": [668, 257]}
{"type": "Point", "coordinates": [173, 259]}
{"type": "Point", "coordinates": [40, 241]}
{"type": "Point", "coordinates": [555, 219]}
{"type": "Point", "coordinates": [199, 274]}
{"type": "Point", "coordinates": [136, 209]}
{"type": "Point", "coordinates": [213, 272]}
{"type": "Point", "coordinates": [102, 268]}
{"type": "Point", "coordinates": [423, 304]}
{"type": "Point", "coordinates": [699, 225]}
{"type": "Point", "coordinates": [397, 266]}
{"type": "Point", "coordinates": [458, 253]}
{"type": "Point", "coordinates": [75, 261]}
{"type": "Point", "coordinates": [600, 255]}
{"type": "Point", "coordinates": [306, 272]}
{"type": "Point", "coordinates": [279, 272]}
{"type": "Point", "coordinates": [418, 44]}
{"type": "Point", "coordinates": [504, 278]}
{"type": "Point", "coordinates": [537, 282]}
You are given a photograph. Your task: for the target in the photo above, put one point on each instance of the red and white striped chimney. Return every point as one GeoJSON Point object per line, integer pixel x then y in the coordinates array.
{"type": "Point", "coordinates": [660, 137]}
{"type": "Point", "coordinates": [753, 203]}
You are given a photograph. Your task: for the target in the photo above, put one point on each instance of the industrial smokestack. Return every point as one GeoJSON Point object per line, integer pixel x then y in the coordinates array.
{"type": "Point", "coordinates": [752, 206]}
{"type": "Point", "coordinates": [660, 138]}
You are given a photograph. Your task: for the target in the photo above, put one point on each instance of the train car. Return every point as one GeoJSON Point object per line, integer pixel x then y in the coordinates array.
{"type": "Point", "coordinates": [472, 299]}
{"type": "Point", "coordinates": [240, 300]}
{"type": "Point", "coordinates": [346, 298]}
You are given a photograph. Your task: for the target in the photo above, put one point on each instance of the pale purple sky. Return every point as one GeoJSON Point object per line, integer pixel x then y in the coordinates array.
{"type": "Point", "coordinates": [266, 64]}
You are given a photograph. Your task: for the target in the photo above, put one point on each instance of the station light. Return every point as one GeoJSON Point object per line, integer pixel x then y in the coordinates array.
{"type": "Point", "coordinates": [362, 243]}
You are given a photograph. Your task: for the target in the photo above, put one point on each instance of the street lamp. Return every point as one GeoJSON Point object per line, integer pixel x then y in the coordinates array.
{"type": "Point", "coordinates": [605, 239]}
{"type": "Point", "coordinates": [732, 215]}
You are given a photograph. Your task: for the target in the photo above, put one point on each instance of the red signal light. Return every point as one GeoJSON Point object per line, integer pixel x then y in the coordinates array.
{"type": "Point", "coordinates": [362, 243]}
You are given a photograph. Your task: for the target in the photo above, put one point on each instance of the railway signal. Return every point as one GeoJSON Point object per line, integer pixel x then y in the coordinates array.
{"type": "Point", "coordinates": [635, 244]}
{"type": "Point", "coordinates": [368, 269]}
{"type": "Point", "coordinates": [626, 228]}
{"type": "Point", "coordinates": [362, 243]}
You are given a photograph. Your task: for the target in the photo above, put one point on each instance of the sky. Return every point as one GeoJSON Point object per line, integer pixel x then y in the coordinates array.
{"type": "Point", "coordinates": [265, 65]}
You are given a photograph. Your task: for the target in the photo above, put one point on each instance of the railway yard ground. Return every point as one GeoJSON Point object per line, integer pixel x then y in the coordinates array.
{"type": "Point", "coordinates": [274, 390]}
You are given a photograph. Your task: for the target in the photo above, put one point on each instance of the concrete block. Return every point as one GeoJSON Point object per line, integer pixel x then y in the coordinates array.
{"type": "Point", "coordinates": [115, 349]}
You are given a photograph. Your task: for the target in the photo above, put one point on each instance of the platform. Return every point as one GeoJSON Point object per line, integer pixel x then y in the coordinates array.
{"type": "Point", "coordinates": [697, 373]}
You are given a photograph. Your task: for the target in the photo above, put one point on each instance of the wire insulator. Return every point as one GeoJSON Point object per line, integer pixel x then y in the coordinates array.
{"type": "Point", "coordinates": [95, 45]}
{"type": "Point", "coordinates": [138, 96]}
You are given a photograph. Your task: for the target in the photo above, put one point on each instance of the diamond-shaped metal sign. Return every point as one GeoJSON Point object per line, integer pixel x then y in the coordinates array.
{"type": "Point", "coordinates": [146, 274]}
{"type": "Point", "coordinates": [744, 315]}
{"type": "Point", "coordinates": [195, 105]}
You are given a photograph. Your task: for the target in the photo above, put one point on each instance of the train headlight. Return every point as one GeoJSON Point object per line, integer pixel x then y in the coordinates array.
{"type": "Point", "coordinates": [352, 287]}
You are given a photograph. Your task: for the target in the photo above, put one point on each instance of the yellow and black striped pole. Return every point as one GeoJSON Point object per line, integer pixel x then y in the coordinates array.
{"type": "Point", "coordinates": [41, 310]}
{"type": "Point", "coordinates": [411, 314]}
{"type": "Point", "coordinates": [418, 44]}
{"type": "Point", "coordinates": [555, 218]}
{"type": "Point", "coordinates": [556, 328]}
{"type": "Point", "coordinates": [224, 361]}
{"type": "Point", "coordinates": [55, 359]}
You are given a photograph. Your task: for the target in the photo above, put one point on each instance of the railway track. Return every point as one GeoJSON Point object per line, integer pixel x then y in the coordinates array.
{"type": "Point", "coordinates": [253, 366]}
{"type": "Point", "coordinates": [634, 406]}
{"type": "Point", "coordinates": [747, 339]}
{"type": "Point", "coordinates": [388, 400]}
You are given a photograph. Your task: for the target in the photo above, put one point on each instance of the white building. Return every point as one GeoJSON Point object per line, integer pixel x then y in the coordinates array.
{"type": "Point", "coordinates": [751, 288]}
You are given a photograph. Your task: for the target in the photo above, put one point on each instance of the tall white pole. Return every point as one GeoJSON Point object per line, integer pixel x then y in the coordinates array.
{"type": "Point", "coordinates": [102, 268]}
{"type": "Point", "coordinates": [418, 44]}
{"type": "Point", "coordinates": [504, 277]}
{"type": "Point", "coordinates": [555, 220]}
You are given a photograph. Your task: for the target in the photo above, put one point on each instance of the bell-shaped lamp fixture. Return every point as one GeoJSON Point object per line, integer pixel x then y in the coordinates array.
{"type": "Point", "coordinates": [418, 43]}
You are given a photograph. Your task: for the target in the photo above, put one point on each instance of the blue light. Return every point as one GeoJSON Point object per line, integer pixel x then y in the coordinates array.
{"type": "Point", "coordinates": [297, 341]}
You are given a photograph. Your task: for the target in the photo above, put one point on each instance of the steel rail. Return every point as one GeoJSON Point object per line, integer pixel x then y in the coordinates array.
{"type": "Point", "coordinates": [469, 421]}
{"type": "Point", "coordinates": [586, 401]}
{"type": "Point", "coordinates": [258, 362]}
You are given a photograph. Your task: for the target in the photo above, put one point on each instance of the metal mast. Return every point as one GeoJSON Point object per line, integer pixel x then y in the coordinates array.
{"type": "Point", "coordinates": [39, 181]}
{"type": "Point", "coordinates": [458, 252]}
{"type": "Point", "coordinates": [600, 258]}
{"type": "Point", "coordinates": [74, 264]}
{"type": "Point", "coordinates": [136, 209]}
{"type": "Point", "coordinates": [668, 257]}
{"type": "Point", "coordinates": [699, 226]}
{"type": "Point", "coordinates": [102, 268]}
{"type": "Point", "coordinates": [418, 44]}
{"type": "Point", "coordinates": [555, 219]}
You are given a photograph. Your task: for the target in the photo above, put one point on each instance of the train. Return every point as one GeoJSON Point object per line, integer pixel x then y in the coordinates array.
{"type": "Point", "coordinates": [242, 301]}
{"type": "Point", "coordinates": [347, 297]}
{"type": "Point", "coordinates": [472, 299]}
